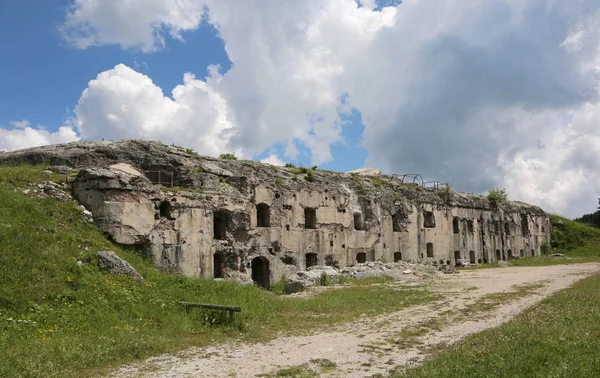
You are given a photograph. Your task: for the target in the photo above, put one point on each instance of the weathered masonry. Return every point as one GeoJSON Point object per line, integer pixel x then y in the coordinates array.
{"type": "Point", "coordinates": [251, 221]}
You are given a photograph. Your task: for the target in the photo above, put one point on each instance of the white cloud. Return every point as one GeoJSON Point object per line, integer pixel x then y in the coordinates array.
{"type": "Point", "coordinates": [479, 93]}
{"type": "Point", "coordinates": [273, 160]}
{"type": "Point", "coordinates": [122, 103]}
{"type": "Point", "coordinates": [21, 124]}
{"type": "Point", "coordinates": [139, 24]}
{"type": "Point", "coordinates": [26, 137]}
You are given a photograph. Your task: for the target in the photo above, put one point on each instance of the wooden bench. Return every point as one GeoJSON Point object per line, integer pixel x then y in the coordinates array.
{"type": "Point", "coordinates": [231, 309]}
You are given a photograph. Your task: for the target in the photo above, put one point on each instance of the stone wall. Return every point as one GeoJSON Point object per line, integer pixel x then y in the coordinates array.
{"type": "Point", "coordinates": [251, 221]}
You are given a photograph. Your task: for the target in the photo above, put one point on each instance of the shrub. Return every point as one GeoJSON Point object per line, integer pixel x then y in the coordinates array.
{"type": "Point", "coordinates": [377, 182]}
{"type": "Point", "coordinates": [190, 151]}
{"type": "Point", "coordinates": [310, 177]}
{"type": "Point", "coordinates": [278, 182]}
{"type": "Point", "coordinates": [290, 165]}
{"type": "Point", "coordinates": [314, 168]}
{"type": "Point", "coordinates": [325, 280]}
{"type": "Point", "coordinates": [228, 156]}
{"type": "Point", "coordinates": [199, 170]}
{"type": "Point", "coordinates": [497, 196]}
{"type": "Point", "coordinates": [545, 248]}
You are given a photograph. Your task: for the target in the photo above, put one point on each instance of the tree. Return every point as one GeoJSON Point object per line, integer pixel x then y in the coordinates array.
{"type": "Point", "coordinates": [593, 218]}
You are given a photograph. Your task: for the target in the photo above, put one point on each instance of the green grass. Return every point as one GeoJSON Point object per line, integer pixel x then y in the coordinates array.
{"type": "Point", "coordinates": [574, 238]}
{"type": "Point", "coordinates": [580, 243]}
{"type": "Point", "coordinates": [61, 316]}
{"type": "Point", "coordinates": [560, 337]}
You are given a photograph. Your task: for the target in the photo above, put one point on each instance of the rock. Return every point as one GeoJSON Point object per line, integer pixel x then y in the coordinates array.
{"type": "Point", "coordinates": [62, 169]}
{"type": "Point", "coordinates": [558, 255]}
{"type": "Point", "coordinates": [366, 172]}
{"type": "Point", "coordinates": [110, 262]}
{"type": "Point", "coordinates": [407, 271]}
{"type": "Point", "coordinates": [117, 198]}
{"type": "Point", "coordinates": [26, 191]}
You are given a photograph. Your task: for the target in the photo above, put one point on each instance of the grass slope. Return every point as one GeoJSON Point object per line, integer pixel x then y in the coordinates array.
{"type": "Point", "coordinates": [560, 337]}
{"type": "Point", "coordinates": [61, 316]}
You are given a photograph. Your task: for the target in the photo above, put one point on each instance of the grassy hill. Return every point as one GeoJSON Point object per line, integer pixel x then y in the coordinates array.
{"type": "Point", "coordinates": [61, 316]}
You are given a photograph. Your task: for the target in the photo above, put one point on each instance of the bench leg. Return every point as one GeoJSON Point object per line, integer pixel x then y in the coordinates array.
{"type": "Point", "coordinates": [231, 316]}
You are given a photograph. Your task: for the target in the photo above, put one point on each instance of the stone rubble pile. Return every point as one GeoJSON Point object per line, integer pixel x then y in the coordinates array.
{"type": "Point", "coordinates": [301, 280]}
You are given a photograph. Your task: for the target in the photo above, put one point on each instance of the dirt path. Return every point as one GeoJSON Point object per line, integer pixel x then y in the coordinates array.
{"type": "Point", "coordinates": [472, 301]}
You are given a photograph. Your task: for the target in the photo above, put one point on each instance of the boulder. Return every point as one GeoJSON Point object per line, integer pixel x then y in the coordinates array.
{"type": "Point", "coordinates": [117, 196]}
{"type": "Point", "coordinates": [110, 262]}
{"type": "Point", "coordinates": [367, 172]}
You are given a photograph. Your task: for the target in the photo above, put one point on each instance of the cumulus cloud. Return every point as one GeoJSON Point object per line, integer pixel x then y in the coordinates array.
{"type": "Point", "coordinates": [139, 24]}
{"type": "Point", "coordinates": [273, 160]}
{"type": "Point", "coordinates": [478, 93]}
{"type": "Point", "coordinates": [25, 136]}
{"type": "Point", "coordinates": [122, 103]}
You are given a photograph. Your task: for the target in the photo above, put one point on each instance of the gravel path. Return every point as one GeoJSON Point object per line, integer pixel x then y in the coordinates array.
{"type": "Point", "coordinates": [364, 348]}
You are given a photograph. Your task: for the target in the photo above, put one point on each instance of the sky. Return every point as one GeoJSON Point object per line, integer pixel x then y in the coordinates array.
{"type": "Point", "coordinates": [480, 94]}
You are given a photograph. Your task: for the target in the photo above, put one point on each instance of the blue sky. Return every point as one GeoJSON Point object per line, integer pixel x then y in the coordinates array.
{"type": "Point", "coordinates": [42, 76]}
{"type": "Point", "coordinates": [485, 94]}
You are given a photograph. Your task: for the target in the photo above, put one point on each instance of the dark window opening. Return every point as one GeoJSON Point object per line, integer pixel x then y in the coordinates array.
{"type": "Point", "coordinates": [312, 259]}
{"type": "Point", "coordinates": [456, 255]}
{"type": "Point", "coordinates": [429, 219]}
{"type": "Point", "coordinates": [429, 249]}
{"type": "Point", "coordinates": [361, 257]}
{"type": "Point", "coordinates": [498, 256]}
{"type": "Point", "coordinates": [521, 253]}
{"type": "Point", "coordinates": [263, 216]}
{"type": "Point", "coordinates": [397, 256]}
{"type": "Point", "coordinates": [509, 255]}
{"type": "Point", "coordinates": [447, 262]}
{"type": "Point", "coordinates": [218, 265]}
{"type": "Point", "coordinates": [533, 252]}
{"type": "Point", "coordinates": [310, 218]}
{"type": "Point", "coordinates": [165, 209]}
{"type": "Point", "coordinates": [277, 195]}
{"type": "Point", "coordinates": [507, 228]}
{"type": "Point", "coordinates": [260, 272]}
{"type": "Point", "coordinates": [343, 245]}
{"type": "Point", "coordinates": [470, 226]}
{"type": "Point", "coordinates": [472, 257]}
{"type": "Point", "coordinates": [358, 222]}
{"type": "Point", "coordinates": [220, 223]}
{"type": "Point", "coordinates": [287, 227]}
{"type": "Point", "coordinates": [455, 227]}
{"type": "Point", "coordinates": [479, 261]}
{"type": "Point", "coordinates": [331, 243]}
{"type": "Point", "coordinates": [524, 225]}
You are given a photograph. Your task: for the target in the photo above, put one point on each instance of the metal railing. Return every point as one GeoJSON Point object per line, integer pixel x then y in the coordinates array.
{"type": "Point", "coordinates": [163, 178]}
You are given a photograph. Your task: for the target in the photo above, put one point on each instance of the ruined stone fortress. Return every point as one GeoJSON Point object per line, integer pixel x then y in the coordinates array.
{"type": "Point", "coordinates": [255, 222]}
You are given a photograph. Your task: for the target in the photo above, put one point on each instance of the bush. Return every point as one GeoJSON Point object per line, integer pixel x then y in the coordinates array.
{"type": "Point", "coordinates": [290, 165]}
{"type": "Point", "coordinates": [497, 196]}
{"type": "Point", "coordinates": [545, 248]}
{"type": "Point", "coordinates": [190, 151]}
{"type": "Point", "coordinates": [228, 157]}
{"type": "Point", "coordinates": [325, 280]}
{"type": "Point", "coordinates": [377, 182]}
{"type": "Point", "coordinates": [310, 177]}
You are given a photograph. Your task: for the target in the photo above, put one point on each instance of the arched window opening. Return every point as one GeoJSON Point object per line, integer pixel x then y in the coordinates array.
{"type": "Point", "coordinates": [361, 257]}
{"type": "Point", "coordinates": [260, 272]}
{"type": "Point", "coordinates": [455, 227]}
{"type": "Point", "coordinates": [429, 249]}
{"type": "Point", "coordinates": [397, 256]}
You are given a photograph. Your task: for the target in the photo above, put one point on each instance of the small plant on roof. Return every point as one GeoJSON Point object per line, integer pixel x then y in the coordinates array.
{"type": "Point", "coordinates": [497, 196]}
{"type": "Point", "coordinates": [228, 156]}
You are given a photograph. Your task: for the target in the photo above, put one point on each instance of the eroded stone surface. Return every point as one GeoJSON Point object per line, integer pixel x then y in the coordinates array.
{"type": "Point", "coordinates": [251, 221]}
